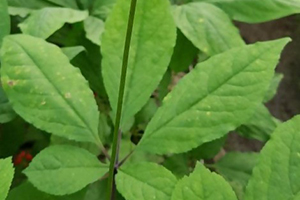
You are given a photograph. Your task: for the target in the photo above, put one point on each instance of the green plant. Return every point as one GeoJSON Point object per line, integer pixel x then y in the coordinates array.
{"type": "Point", "coordinates": [95, 103]}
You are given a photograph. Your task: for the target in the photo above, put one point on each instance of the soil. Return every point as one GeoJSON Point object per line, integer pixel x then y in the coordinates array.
{"type": "Point", "coordinates": [286, 103]}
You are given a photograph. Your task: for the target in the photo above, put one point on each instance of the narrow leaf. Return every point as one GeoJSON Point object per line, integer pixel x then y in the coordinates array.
{"type": "Point", "coordinates": [216, 97]}
{"type": "Point", "coordinates": [6, 176]}
{"type": "Point", "coordinates": [45, 22]}
{"type": "Point", "coordinates": [207, 27]}
{"type": "Point", "coordinates": [49, 93]}
{"type": "Point", "coordinates": [151, 48]}
{"type": "Point", "coordinates": [257, 11]}
{"type": "Point", "coordinates": [62, 170]}
{"type": "Point", "coordinates": [203, 185]}
{"type": "Point", "coordinates": [146, 181]}
{"type": "Point", "coordinates": [276, 176]}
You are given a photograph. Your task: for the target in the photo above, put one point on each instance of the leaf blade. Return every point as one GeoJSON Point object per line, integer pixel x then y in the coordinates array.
{"type": "Point", "coordinates": [39, 89]}
{"type": "Point", "coordinates": [151, 181]}
{"type": "Point", "coordinates": [6, 176]}
{"type": "Point", "coordinates": [151, 48]}
{"type": "Point", "coordinates": [210, 101]}
{"type": "Point", "coordinates": [72, 167]}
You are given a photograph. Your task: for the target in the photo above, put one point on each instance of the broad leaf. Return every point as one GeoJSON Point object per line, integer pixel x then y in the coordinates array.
{"type": "Point", "coordinates": [146, 181]}
{"type": "Point", "coordinates": [208, 150]}
{"type": "Point", "coordinates": [203, 185]}
{"type": "Point", "coordinates": [257, 11]}
{"type": "Point", "coordinates": [260, 126]}
{"type": "Point", "coordinates": [4, 20]}
{"type": "Point", "coordinates": [276, 176]}
{"type": "Point", "coordinates": [33, 4]}
{"type": "Point", "coordinates": [94, 28]}
{"type": "Point", "coordinates": [184, 53]}
{"type": "Point", "coordinates": [216, 97]}
{"type": "Point", "coordinates": [72, 52]}
{"type": "Point", "coordinates": [45, 22]}
{"type": "Point", "coordinates": [49, 93]}
{"type": "Point", "coordinates": [98, 191]}
{"type": "Point", "coordinates": [273, 87]}
{"type": "Point", "coordinates": [207, 27]}
{"type": "Point", "coordinates": [6, 176]}
{"type": "Point", "coordinates": [65, 3]}
{"type": "Point", "coordinates": [26, 191]}
{"type": "Point", "coordinates": [6, 112]}
{"type": "Point", "coordinates": [151, 48]}
{"type": "Point", "coordinates": [19, 11]}
{"type": "Point", "coordinates": [236, 168]}
{"type": "Point", "coordinates": [102, 8]}
{"type": "Point", "coordinates": [63, 169]}
{"type": "Point", "coordinates": [178, 164]}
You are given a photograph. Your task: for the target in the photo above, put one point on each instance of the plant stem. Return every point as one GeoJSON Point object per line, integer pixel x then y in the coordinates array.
{"type": "Point", "coordinates": [111, 177]}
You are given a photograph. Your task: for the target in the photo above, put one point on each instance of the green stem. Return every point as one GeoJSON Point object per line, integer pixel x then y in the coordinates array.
{"type": "Point", "coordinates": [120, 101]}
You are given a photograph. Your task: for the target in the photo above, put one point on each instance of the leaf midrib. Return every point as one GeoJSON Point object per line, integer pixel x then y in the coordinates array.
{"type": "Point", "coordinates": [57, 90]}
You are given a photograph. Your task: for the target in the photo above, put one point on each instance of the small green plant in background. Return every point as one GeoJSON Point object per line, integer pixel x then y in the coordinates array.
{"type": "Point", "coordinates": [87, 91]}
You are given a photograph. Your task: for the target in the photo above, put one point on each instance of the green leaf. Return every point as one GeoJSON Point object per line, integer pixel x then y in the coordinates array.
{"type": "Point", "coordinates": [178, 164]}
{"type": "Point", "coordinates": [6, 176]}
{"type": "Point", "coordinates": [94, 28]}
{"type": "Point", "coordinates": [49, 93]}
{"type": "Point", "coordinates": [151, 48]}
{"type": "Point", "coordinates": [18, 11]}
{"type": "Point", "coordinates": [276, 176]}
{"type": "Point", "coordinates": [62, 170]}
{"type": "Point", "coordinates": [26, 191]}
{"type": "Point", "coordinates": [257, 11]}
{"type": "Point", "coordinates": [146, 181]}
{"type": "Point", "coordinates": [163, 87]}
{"type": "Point", "coordinates": [34, 4]}
{"type": "Point", "coordinates": [184, 53]}
{"type": "Point", "coordinates": [147, 112]}
{"type": "Point", "coordinates": [273, 87]}
{"type": "Point", "coordinates": [216, 97]}
{"type": "Point", "coordinates": [102, 8]}
{"type": "Point", "coordinates": [72, 52]}
{"type": "Point", "coordinates": [65, 3]}
{"type": "Point", "coordinates": [208, 150]}
{"type": "Point", "coordinates": [45, 22]}
{"type": "Point", "coordinates": [91, 71]}
{"type": "Point", "coordinates": [6, 112]}
{"type": "Point", "coordinates": [203, 185]}
{"type": "Point", "coordinates": [92, 148]}
{"type": "Point", "coordinates": [207, 27]}
{"type": "Point", "coordinates": [98, 191]}
{"type": "Point", "coordinates": [12, 136]}
{"type": "Point", "coordinates": [5, 20]}
{"type": "Point", "coordinates": [260, 126]}
{"type": "Point", "coordinates": [236, 168]}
